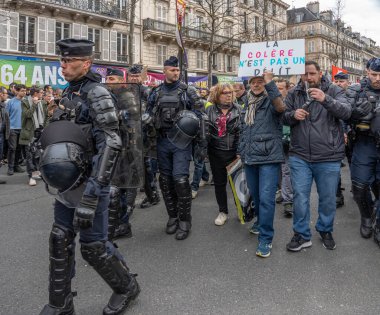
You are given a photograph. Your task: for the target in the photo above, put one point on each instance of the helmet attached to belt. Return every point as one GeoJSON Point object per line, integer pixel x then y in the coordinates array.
{"type": "Point", "coordinates": [63, 163]}
{"type": "Point", "coordinates": [184, 130]}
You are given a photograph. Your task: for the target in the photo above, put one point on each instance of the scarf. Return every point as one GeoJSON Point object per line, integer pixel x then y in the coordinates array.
{"type": "Point", "coordinates": [38, 115]}
{"type": "Point", "coordinates": [253, 102]}
{"type": "Point", "coordinates": [221, 121]}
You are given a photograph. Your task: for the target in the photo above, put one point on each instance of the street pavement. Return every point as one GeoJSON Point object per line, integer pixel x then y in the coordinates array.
{"type": "Point", "coordinates": [214, 271]}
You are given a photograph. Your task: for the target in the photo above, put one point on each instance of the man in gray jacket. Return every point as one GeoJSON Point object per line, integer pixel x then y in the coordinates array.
{"type": "Point", "coordinates": [314, 109]}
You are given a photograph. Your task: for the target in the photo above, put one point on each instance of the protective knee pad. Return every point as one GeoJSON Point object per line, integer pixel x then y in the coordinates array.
{"type": "Point", "coordinates": [62, 250]}
{"type": "Point", "coordinates": [110, 267]}
{"type": "Point", "coordinates": [183, 190]}
{"type": "Point", "coordinates": [361, 196]}
{"type": "Point", "coordinates": [169, 194]}
{"type": "Point", "coordinates": [114, 209]}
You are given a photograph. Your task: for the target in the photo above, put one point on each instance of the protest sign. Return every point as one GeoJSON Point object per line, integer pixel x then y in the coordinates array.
{"type": "Point", "coordinates": [285, 57]}
{"type": "Point", "coordinates": [38, 73]}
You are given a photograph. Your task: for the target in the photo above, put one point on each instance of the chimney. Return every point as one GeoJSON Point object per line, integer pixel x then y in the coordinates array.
{"type": "Point", "coordinates": [313, 7]}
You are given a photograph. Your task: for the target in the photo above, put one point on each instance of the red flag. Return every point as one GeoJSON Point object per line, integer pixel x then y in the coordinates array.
{"type": "Point", "coordinates": [335, 70]}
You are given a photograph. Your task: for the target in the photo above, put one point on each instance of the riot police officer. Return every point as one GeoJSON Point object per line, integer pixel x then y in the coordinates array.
{"type": "Point", "coordinates": [171, 104]}
{"type": "Point", "coordinates": [365, 168]}
{"type": "Point", "coordinates": [81, 146]}
{"type": "Point", "coordinates": [122, 196]}
{"type": "Point", "coordinates": [150, 186]}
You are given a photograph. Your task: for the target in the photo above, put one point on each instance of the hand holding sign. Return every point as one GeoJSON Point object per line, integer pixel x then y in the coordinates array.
{"type": "Point", "coordinates": [268, 76]}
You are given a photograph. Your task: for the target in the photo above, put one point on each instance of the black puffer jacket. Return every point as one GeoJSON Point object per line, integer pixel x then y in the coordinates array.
{"type": "Point", "coordinates": [318, 138]}
{"type": "Point", "coordinates": [230, 141]}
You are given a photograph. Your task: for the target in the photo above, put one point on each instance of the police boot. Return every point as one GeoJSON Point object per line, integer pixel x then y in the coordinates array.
{"type": "Point", "coordinates": [376, 234]}
{"type": "Point", "coordinates": [170, 198]}
{"type": "Point", "coordinates": [361, 196]}
{"type": "Point", "coordinates": [183, 190]}
{"type": "Point", "coordinates": [114, 271]}
{"type": "Point", "coordinates": [114, 209]}
{"type": "Point", "coordinates": [62, 250]}
{"type": "Point", "coordinates": [123, 230]}
{"type": "Point", "coordinates": [150, 200]}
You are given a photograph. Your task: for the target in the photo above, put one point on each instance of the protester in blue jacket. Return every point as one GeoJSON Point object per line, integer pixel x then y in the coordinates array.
{"type": "Point", "coordinates": [261, 151]}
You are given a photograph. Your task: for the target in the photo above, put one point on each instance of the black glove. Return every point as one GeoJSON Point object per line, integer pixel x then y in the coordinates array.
{"type": "Point", "coordinates": [361, 110]}
{"type": "Point", "coordinates": [200, 150]}
{"type": "Point", "coordinates": [85, 213]}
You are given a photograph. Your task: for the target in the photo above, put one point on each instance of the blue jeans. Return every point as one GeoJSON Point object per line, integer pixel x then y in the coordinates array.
{"type": "Point", "coordinates": [200, 172]}
{"type": "Point", "coordinates": [326, 177]}
{"type": "Point", "coordinates": [262, 184]}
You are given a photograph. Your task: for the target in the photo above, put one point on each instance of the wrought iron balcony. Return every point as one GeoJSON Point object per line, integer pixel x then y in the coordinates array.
{"type": "Point", "coordinates": [109, 8]}
{"type": "Point", "coordinates": [188, 33]}
{"type": "Point", "coordinates": [27, 48]}
{"type": "Point", "coordinates": [354, 71]}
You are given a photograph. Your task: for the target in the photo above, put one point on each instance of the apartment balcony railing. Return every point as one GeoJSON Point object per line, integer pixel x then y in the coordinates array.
{"type": "Point", "coordinates": [101, 7]}
{"type": "Point", "coordinates": [354, 71]}
{"type": "Point", "coordinates": [188, 33]}
{"type": "Point", "coordinates": [27, 48]}
{"type": "Point", "coordinates": [122, 58]}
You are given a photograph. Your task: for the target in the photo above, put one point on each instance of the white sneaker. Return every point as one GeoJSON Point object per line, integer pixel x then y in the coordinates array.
{"type": "Point", "coordinates": [194, 194]}
{"type": "Point", "coordinates": [36, 175]}
{"type": "Point", "coordinates": [32, 182]}
{"type": "Point", "coordinates": [221, 218]}
{"type": "Point", "coordinates": [203, 183]}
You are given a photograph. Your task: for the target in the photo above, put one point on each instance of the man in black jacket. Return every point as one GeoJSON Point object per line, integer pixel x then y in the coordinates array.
{"type": "Point", "coordinates": [314, 108]}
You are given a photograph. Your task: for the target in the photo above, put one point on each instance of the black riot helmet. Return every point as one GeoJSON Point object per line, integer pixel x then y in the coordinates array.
{"type": "Point", "coordinates": [185, 129]}
{"type": "Point", "coordinates": [63, 163]}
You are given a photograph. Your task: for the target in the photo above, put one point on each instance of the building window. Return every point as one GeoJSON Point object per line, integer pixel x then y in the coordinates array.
{"type": "Point", "coordinates": [199, 22]}
{"type": "Point", "coordinates": [162, 12]}
{"type": "Point", "coordinates": [311, 46]}
{"type": "Point", "coordinates": [94, 5]}
{"type": "Point", "coordinates": [256, 24]}
{"type": "Point", "coordinates": [229, 63]}
{"type": "Point", "coordinates": [200, 60]}
{"type": "Point", "coordinates": [274, 9]}
{"type": "Point", "coordinates": [62, 30]}
{"type": "Point", "coordinates": [298, 18]}
{"type": "Point", "coordinates": [94, 35]}
{"type": "Point", "coordinates": [122, 47]}
{"type": "Point", "coordinates": [26, 37]}
{"type": "Point", "coordinates": [228, 29]}
{"type": "Point", "coordinates": [162, 52]}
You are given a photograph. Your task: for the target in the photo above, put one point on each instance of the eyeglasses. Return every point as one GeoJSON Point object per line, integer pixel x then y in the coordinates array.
{"type": "Point", "coordinates": [70, 59]}
{"type": "Point", "coordinates": [227, 93]}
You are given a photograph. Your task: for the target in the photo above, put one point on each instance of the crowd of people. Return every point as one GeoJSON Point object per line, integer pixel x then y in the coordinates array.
{"type": "Point", "coordinates": [24, 114]}
{"type": "Point", "coordinates": [111, 141]}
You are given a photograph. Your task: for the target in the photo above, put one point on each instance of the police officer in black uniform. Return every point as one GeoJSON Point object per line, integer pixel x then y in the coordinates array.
{"type": "Point", "coordinates": [150, 186]}
{"type": "Point", "coordinates": [171, 105]}
{"type": "Point", "coordinates": [365, 165]}
{"type": "Point", "coordinates": [122, 199]}
{"type": "Point", "coordinates": [81, 146]}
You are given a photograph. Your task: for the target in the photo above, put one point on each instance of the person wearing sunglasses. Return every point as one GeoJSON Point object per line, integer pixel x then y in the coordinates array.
{"type": "Point", "coordinates": [79, 159]}
{"type": "Point", "coordinates": [223, 139]}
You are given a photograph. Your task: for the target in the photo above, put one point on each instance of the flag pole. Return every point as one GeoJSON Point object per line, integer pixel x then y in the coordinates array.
{"type": "Point", "coordinates": [180, 14]}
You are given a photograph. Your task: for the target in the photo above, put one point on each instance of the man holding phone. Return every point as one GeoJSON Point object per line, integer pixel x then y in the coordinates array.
{"type": "Point", "coordinates": [314, 109]}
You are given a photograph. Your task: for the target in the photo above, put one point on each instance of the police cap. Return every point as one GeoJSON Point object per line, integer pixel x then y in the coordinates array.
{"type": "Point", "coordinates": [117, 72]}
{"type": "Point", "coordinates": [135, 69]}
{"type": "Point", "coordinates": [171, 62]}
{"type": "Point", "coordinates": [341, 76]}
{"type": "Point", "coordinates": [71, 47]}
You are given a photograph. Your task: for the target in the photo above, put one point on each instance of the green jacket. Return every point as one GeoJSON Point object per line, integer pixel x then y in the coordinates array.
{"type": "Point", "coordinates": [27, 123]}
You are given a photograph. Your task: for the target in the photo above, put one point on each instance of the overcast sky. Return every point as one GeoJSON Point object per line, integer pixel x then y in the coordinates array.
{"type": "Point", "coordinates": [362, 15]}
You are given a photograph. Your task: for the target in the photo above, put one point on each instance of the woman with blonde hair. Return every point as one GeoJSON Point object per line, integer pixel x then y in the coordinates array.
{"type": "Point", "coordinates": [223, 139]}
